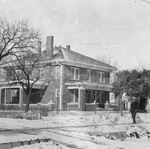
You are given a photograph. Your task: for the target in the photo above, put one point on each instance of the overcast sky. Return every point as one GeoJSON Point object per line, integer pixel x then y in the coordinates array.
{"type": "Point", "coordinates": [118, 29]}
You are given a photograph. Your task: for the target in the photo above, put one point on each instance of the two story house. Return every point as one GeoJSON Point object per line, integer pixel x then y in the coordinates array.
{"type": "Point", "coordinates": [72, 81]}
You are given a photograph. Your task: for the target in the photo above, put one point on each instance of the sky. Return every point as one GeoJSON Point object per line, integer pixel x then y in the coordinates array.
{"type": "Point", "coordinates": [115, 30]}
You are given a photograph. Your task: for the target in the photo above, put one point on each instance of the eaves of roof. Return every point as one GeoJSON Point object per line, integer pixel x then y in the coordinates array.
{"type": "Point", "coordinates": [70, 55]}
{"type": "Point", "coordinates": [38, 84]}
{"type": "Point", "coordinates": [86, 65]}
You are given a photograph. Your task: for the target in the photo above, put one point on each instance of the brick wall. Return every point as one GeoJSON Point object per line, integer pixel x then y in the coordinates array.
{"type": "Point", "coordinates": [52, 86]}
{"type": "Point", "coordinates": [67, 94]}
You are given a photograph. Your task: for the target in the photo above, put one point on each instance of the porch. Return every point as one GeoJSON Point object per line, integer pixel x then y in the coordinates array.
{"type": "Point", "coordinates": [84, 95]}
{"type": "Point", "coordinates": [15, 96]}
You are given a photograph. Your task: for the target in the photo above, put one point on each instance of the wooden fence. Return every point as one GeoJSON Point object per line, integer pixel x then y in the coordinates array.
{"type": "Point", "coordinates": [17, 111]}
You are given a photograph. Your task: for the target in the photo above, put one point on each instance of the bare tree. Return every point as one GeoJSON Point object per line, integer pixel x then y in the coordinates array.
{"type": "Point", "coordinates": [15, 37]}
{"type": "Point", "coordinates": [25, 71]}
{"type": "Point", "coordinates": [108, 60]}
{"type": "Point", "coordinates": [18, 54]}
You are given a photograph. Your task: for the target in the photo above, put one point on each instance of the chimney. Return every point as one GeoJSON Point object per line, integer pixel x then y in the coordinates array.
{"type": "Point", "coordinates": [68, 47]}
{"type": "Point", "coordinates": [39, 46]}
{"type": "Point", "coordinates": [49, 46]}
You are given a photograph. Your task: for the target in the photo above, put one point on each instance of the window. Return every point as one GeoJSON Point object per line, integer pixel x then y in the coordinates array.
{"type": "Point", "coordinates": [75, 96]}
{"type": "Point", "coordinates": [42, 92]}
{"type": "Point", "coordinates": [3, 74]}
{"type": "Point", "coordinates": [57, 72]}
{"type": "Point", "coordinates": [101, 76]}
{"type": "Point", "coordinates": [89, 75]}
{"type": "Point", "coordinates": [35, 73]}
{"type": "Point", "coordinates": [14, 96]}
{"type": "Point", "coordinates": [3, 93]}
{"type": "Point", "coordinates": [43, 73]}
{"type": "Point", "coordinates": [16, 74]}
{"type": "Point", "coordinates": [57, 93]}
{"type": "Point", "coordinates": [75, 73]}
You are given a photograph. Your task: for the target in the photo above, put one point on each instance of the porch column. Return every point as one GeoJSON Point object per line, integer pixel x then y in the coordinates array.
{"type": "Point", "coordinates": [61, 87]}
{"type": "Point", "coordinates": [4, 96]}
{"type": "Point", "coordinates": [21, 97]}
{"type": "Point", "coordinates": [148, 105]}
{"type": "Point", "coordinates": [0, 96]}
{"type": "Point", "coordinates": [81, 99]}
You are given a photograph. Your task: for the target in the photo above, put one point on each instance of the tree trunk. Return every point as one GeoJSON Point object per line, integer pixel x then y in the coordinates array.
{"type": "Point", "coordinates": [28, 102]}
{"type": "Point", "coordinates": [121, 106]}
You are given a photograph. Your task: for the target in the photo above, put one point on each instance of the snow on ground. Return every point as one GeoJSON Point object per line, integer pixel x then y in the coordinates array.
{"type": "Point", "coordinates": [84, 129]}
{"type": "Point", "coordinates": [48, 145]}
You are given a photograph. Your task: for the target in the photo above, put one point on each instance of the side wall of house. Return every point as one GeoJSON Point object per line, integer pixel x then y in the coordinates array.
{"type": "Point", "coordinates": [53, 84]}
{"type": "Point", "coordinates": [66, 93]}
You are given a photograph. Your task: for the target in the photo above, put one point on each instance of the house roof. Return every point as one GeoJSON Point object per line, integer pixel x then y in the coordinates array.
{"type": "Point", "coordinates": [72, 58]}
{"type": "Point", "coordinates": [69, 57]}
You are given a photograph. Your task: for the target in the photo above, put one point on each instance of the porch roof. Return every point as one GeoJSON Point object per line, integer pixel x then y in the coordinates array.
{"type": "Point", "coordinates": [37, 85]}
{"type": "Point", "coordinates": [89, 85]}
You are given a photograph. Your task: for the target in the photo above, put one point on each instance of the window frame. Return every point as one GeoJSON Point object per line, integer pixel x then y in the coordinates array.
{"type": "Point", "coordinates": [57, 72]}
{"type": "Point", "coordinates": [75, 75]}
{"type": "Point", "coordinates": [57, 92]}
{"type": "Point", "coordinates": [41, 73]}
{"type": "Point", "coordinates": [74, 98]}
{"type": "Point", "coordinates": [89, 75]}
{"type": "Point", "coordinates": [42, 92]}
{"type": "Point", "coordinates": [17, 95]}
{"type": "Point", "coordinates": [101, 76]}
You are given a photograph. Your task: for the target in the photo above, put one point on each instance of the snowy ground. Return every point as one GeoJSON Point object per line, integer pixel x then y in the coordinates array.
{"type": "Point", "coordinates": [81, 130]}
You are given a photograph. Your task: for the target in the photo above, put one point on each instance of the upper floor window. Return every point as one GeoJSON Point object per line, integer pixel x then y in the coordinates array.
{"type": "Point", "coordinates": [2, 74]}
{"type": "Point", "coordinates": [57, 72]}
{"type": "Point", "coordinates": [75, 73]}
{"type": "Point", "coordinates": [89, 75]}
{"type": "Point", "coordinates": [101, 76]}
{"type": "Point", "coordinates": [35, 74]}
{"type": "Point", "coordinates": [16, 74]}
{"type": "Point", "coordinates": [57, 93]}
{"type": "Point", "coordinates": [41, 73]}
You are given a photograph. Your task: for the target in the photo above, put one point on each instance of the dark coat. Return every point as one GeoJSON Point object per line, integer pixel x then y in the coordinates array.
{"type": "Point", "coordinates": [134, 106]}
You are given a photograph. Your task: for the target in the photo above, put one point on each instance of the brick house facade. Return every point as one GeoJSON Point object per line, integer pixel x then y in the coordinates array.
{"type": "Point", "coordinates": [73, 81]}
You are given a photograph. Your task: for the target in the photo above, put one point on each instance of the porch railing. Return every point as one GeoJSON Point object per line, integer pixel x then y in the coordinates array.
{"type": "Point", "coordinates": [14, 107]}
{"type": "Point", "coordinates": [90, 106]}
{"type": "Point", "coordinates": [17, 111]}
{"type": "Point", "coordinates": [33, 107]}
{"type": "Point", "coordinates": [72, 106]}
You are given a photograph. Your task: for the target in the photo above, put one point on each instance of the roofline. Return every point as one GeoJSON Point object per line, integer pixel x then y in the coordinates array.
{"type": "Point", "coordinates": [89, 66]}
{"type": "Point", "coordinates": [84, 56]}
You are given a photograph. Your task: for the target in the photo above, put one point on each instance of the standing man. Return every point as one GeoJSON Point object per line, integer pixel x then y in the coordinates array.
{"type": "Point", "coordinates": [134, 108]}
